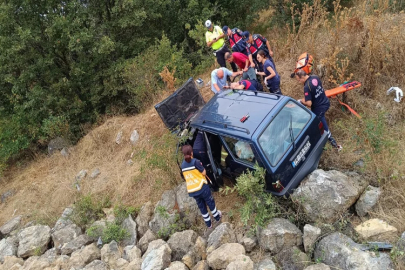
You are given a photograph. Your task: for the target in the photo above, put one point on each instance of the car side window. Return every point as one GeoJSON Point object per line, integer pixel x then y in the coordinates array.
{"type": "Point", "coordinates": [277, 138]}
{"type": "Point", "coordinates": [240, 149]}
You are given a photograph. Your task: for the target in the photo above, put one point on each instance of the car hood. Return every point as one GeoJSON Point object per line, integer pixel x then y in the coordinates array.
{"type": "Point", "coordinates": [181, 105]}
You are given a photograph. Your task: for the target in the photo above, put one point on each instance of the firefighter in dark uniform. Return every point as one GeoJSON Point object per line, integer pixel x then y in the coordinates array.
{"type": "Point", "coordinates": [314, 94]}
{"type": "Point", "coordinates": [197, 186]}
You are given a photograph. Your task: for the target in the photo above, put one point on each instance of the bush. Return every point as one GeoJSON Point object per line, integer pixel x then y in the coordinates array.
{"type": "Point", "coordinates": [259, 207]}
{"type": "Point", "coordinates": [87, 210]}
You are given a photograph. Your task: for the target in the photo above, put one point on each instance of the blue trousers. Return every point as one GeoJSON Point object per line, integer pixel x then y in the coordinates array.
{"type": "Point", "coordinates": [204, 199]}
{"type": "Point", "coordinates": [326, 128]}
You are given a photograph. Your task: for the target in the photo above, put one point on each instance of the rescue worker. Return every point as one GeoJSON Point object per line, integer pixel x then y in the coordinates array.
{"type": "Point", "coordinates": [271, 77]}
{"type": "Point", "coordinates": [236, 40]}
{"type": "Point", "coordinates": [219, 77]}
{"type": "Point", "coordinates": [314, 94]}
{"type": "Point", "coordinates": [246, 85]}
{"type": "Point", "coordinates": [255, 43]}
{"type": "Point", "coordinates": [215, 39]}
{"type": "Point", "coordinates": [200, 153]}
{"type": "Point", "coordinates": [242, 61]}
{"type": "Point", "coordinates": [197, 186]}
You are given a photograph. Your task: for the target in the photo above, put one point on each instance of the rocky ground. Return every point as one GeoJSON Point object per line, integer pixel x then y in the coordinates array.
{"type": "Point", "coordinates": [162, 236]}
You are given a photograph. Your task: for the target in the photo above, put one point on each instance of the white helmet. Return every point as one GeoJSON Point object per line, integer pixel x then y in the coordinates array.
{"type": "Point", "coordinates": [208, 24]}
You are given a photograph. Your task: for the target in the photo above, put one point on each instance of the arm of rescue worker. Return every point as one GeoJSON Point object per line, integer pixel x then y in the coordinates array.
{"type": "Point", "coordinates": [209, 43]}
{"type": "Point", "coordinates": [306, 103]}
{"type": "Point", "coordinates": [246, 65]}
{"type": "Point", "coordinates": [268, 47]}
{"type": "Point", "coordinates": [252, 64]}
{"type": "Point", "coordinates": [200, 167]}
{"type": "Point", "coordinates": [272, 73]}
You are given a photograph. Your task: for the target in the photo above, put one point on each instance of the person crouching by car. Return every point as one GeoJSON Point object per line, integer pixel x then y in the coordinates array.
{"type": "Point", "coordinates": [271, 77]}
{"type": "Point", "coordinates": [197, 186]}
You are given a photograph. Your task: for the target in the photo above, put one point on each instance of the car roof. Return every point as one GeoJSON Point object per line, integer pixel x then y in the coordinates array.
{"type": "Point", "coordinates": [223, 113]}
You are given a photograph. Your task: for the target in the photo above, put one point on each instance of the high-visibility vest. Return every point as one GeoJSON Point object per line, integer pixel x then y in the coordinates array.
{"type": "Point", "coordinates": [194, 179]}
{"type": "Point", "coordinates": [209, 36]}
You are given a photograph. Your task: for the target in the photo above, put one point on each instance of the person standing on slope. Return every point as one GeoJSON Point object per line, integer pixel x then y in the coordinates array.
{"type": "Point", "coordinates": [197, 186]}
{"type": "Point", "coordinates": [314, 94]}
{"type": "Point", "coordinates": [215, 39]}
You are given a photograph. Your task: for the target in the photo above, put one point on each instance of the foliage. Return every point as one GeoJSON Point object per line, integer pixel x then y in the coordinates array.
{"type": "Point", "coordinates": [112, 231]}
{"type": "Point", "coordinates": [259, 207]}
{"type": "Point", "coordinates": [87, 210]}
{"type": "Point", "coordinates": [63, 64]}
{"type": "Point", "coordinates": [121, 212]}
{"type": "Point", "coordinates": [177, 225]}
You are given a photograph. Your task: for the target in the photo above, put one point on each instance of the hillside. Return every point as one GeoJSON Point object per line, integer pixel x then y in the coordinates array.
{"type": "Point", "coordinates": [374, 44]}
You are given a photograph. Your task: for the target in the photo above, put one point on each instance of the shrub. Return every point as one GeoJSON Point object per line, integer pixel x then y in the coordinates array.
{"type": "Point", "coordinates": [87, 210]}
{"type": "Point", "coordinates": [259, 207]}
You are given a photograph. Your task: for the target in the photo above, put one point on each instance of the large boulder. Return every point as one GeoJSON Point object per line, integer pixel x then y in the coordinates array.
{"type": "Point", "coordinates": [340, 252]}
{"type": "Point", "coordinates": [224, 255]}
{"type": "Point", "coordinates": [165, 214]}
{"type": "Point", "coordinates": [110, 253]}
{"type": "Point", "coordinates": [279, 234]}
{"type": "Point", "coordinates": [64, 220]}
{"type": "Point", "coordinates": [242, 262]}
{"type": "Point", "coordinates": [145, 240]}
{"type": "Point", "coordinates": [221, 235]}
{"type": "Point", "coordinates": [187, 206]}
{"type": "Point", "coordinates": [143, 218]}
{"type": "Point", "coordinates": [318, 266]}
{"type": "Point", "coordinates": [135, 265]}
{"type": "Point", "coordinates": [10, 225]}
{"type": "Point", "coordinates": [130, 226]}
{"type": "Point", "coordinates": [84, 256]}
{"type": "Point", "coordinates": [36, 263]}
{"type": "Point", "coordinates": [155, 245]}
{"type": "Point", "coordinates": [325, 195]}
{"type": "Point", "coordinates": [201, 265]}
{"type": "Point", "coordinates": [367, 200]}
{"type": "Point", "coordinates": [177, 266]}
{"type": "Point", "coordinates": [131, 253]}
{"type": "Point", "coordinates": [376, 230]}
{"type": "Point", "coordinates": [265, 264]}
{"type": "Point", "coordinates": [10, 261]}
{"type": "Point", "coordinates": [33, 240]}
{"type": "Point", "coordinates": [8, 247]}
{"type": "Point", "coordinates": [293, 258]}
{"type": "Point", "coordinates": [97, 265]}
{"type": "Point", "coordinates": [181, 242]}
{"type": "Point", "coordinates": [196, 253]}
{"type": "Point", "coordinates": [75, 244]}
{"type": "Point", "coordinates": [249, 243]}
{"type": "Point", "coordinates": [157, 259]}
{"type": "Point", "coordinates": [65, 235]}
{"type": "Point", "coordinates": [311, 234]}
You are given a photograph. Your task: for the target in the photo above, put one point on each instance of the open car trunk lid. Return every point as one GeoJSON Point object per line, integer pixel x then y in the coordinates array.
{"type": "Point", "coordinates": [181, 105]}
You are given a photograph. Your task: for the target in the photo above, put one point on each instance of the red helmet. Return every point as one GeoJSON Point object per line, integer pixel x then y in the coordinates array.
{"type": "Point", "coordinates": [305, 62]}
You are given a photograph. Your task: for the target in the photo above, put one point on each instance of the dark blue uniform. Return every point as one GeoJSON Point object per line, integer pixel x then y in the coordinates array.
{"type": "Point", "coordinates": [313, 90]}
{"type": "Point", "coordinates": [274, 83]}
{"type": "Point", "coordinates": [251, 85]}
{"type": "Point", "coordinates": [203, 197]}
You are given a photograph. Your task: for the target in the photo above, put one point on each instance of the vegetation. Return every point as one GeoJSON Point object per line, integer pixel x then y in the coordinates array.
{"type": "Point", "coordinates": [87, 210]}
{"type": "Point", "coordinates": [259, 207]}
{"type": "Point", "coordinates": [64, 64]}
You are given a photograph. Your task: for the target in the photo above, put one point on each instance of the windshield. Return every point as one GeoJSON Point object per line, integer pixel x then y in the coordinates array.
{"type": "Point", "coordinates": [276, 139]}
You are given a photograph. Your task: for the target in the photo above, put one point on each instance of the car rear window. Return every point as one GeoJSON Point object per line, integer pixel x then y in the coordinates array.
{"type": "Point", "coordinates": [276, 139]}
